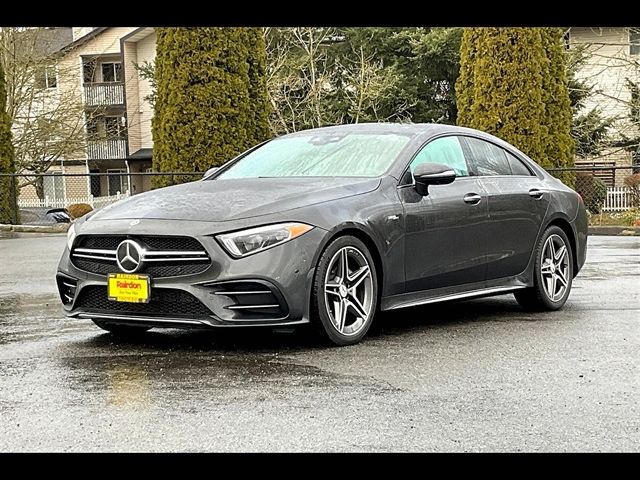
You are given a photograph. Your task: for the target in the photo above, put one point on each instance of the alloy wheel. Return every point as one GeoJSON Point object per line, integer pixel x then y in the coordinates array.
{"type": "Point", "coordinates": [348, 290]}
{"type": "Point", "coordinates": [554, 268]}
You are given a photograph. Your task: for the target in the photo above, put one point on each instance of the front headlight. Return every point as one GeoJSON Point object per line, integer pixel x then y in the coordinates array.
{"type": "Point", "coordinates": [71, 235]}
{"type": "Point", "coordinates": [254, 240]}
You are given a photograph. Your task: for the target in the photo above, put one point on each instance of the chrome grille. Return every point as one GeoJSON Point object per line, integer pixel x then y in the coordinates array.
{"type": "Point", "coordinates": [162, 256]}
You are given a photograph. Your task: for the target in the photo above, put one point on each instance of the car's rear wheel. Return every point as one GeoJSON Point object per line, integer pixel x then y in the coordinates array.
{"type": "Point", "coordinates": [553, 273]}
{"type": "Point", "coordinates": [345, 291]}
{"type": "Point", "coordinates": [120, 329]}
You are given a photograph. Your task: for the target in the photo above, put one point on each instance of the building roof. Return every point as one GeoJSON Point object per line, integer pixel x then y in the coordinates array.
{"type": "Point", "coordinates": [41, 41]}
{"type": "Point", "coordinates": [142, 154]}
{"type": "Point", "coordinates": [82, 40]}
{"type": "Point", "coordinates": [138, 34]}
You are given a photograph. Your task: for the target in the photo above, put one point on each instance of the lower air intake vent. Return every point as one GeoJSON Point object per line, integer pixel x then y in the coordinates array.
{"type": "Point", "coordinates": [251, 300]}
{"type": "Point", "coordinates": [66, 288]}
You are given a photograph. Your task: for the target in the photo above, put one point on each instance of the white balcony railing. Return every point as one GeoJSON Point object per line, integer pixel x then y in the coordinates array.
{"type": "Point", "coordinates": [103, 94]}
{"type": "Point", "coordinates": [107, 149]}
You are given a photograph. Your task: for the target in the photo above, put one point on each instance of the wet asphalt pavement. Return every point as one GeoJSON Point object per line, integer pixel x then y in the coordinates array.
{"type": "Point", "coordinates": [478, 375]}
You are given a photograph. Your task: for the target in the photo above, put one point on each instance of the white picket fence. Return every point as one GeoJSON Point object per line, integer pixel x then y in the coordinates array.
{"type": "Point", "coordinates": [47, 202]}
{"type": "Point", "coordinates": [618, 199]}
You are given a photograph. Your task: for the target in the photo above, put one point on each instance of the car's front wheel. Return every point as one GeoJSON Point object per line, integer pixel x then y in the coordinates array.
{"type": "Point", "coordinates": [553, 273]}
{"type": "Point", "coordinates": [121, 330]}
{"type": "Point", "coordinates": [345, 291]}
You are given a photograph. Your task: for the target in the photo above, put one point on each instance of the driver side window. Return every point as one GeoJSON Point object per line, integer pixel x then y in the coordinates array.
{"type": "Point", "coordinates": [444, 150]}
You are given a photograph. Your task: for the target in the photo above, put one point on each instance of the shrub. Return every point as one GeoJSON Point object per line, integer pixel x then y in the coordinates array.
{"type": "Point", "coordinates": [592, 190]}
{"type": "Point", "coordinates": [633, 183]}
{"type": "Point", "coordinates": [631, 217]}
{"type": "Point", "coordinates": [78, 210]}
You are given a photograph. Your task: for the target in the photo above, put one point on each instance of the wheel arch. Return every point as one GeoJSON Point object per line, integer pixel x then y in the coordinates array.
{"type": "Point", "coordinates": [365, 237]}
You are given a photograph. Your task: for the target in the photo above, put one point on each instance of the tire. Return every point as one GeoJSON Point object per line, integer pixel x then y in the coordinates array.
{"type": "Point", "coordinates": [343, 310]}
{"type": "Point", "coordinates": [538, 297]}
{"type": "Point", "coordinates": [121, 330]}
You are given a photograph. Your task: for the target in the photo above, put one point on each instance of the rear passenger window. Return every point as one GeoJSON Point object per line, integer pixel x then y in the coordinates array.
{"type": "Point", "coordinates": [489, 159]}
{"type": "Point", "coordinates": [517, 166]}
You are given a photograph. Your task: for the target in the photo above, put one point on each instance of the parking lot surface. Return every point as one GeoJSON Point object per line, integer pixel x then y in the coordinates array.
{"type": "Point", "coordinates": [477, 375]}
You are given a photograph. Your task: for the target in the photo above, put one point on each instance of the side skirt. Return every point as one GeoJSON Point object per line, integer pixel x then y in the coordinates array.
{"type": "Point", "coordinates": [480, 289]}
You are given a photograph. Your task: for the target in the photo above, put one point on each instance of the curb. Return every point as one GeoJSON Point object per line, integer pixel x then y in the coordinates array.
{"type": "Point", "coordinates": [614, 230]}
{"type": "Point", "coordinates": [56, 228]}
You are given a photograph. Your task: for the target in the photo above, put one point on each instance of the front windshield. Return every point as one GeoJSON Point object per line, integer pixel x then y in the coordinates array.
{"type": "Point", "coordinates": [321, 155]}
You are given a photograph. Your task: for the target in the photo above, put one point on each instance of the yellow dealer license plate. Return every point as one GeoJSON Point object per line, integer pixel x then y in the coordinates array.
{"type": "Point", "coordinates": [129, 288]}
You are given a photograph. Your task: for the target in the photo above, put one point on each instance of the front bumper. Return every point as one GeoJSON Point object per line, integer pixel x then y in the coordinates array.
{"type": "Point", "coordinates": [226, 288]}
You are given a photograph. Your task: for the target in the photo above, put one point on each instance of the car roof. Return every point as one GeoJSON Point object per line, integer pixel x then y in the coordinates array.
{"type": "Point", "coordinates": [418, 131]}
{"type": "Point", "coordinates": [399, 128]}
{"type": "Point", "coordinates": [424, 130]}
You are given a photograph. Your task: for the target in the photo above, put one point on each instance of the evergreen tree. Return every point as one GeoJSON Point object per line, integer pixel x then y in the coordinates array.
{"type": "Point", "coordinates": [258, 97]}
{"type": "Point", "coordinates": [558, 113]}
{"type": "Point", "coordinates": [464, 82]}
{"type": "Point", "coordinates": [501, 86]}
{"type": "Point", "coordinates": [8, 185]}
{"type": "Point", "coordinates": [210, 101]}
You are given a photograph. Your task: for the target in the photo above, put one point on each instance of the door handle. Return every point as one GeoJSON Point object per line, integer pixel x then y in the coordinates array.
{"type": "Point", "coordinates": [536, 193]}
{"type": "Point", "coordinates": [472, 198]}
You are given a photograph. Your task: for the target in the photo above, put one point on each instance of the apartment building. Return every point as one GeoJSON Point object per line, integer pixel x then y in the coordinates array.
{"type": "Point", "coordinates": [99, 69]}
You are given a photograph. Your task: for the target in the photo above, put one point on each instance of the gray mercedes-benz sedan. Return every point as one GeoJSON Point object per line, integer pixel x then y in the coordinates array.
{"type": "Point", "coordinates": [329, 226]}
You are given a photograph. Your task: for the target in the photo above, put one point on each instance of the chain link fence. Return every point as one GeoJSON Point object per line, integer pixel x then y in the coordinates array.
{"type": "Point", "coordinates": [604, 189]}
{"type": "Point", "coordinates": [53, 197]}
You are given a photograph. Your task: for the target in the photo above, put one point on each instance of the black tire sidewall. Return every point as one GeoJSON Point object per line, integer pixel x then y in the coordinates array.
{"type": "Point", "coordinates": [541, 293]}
{"type": "Point", "coordinates": [319, 311]}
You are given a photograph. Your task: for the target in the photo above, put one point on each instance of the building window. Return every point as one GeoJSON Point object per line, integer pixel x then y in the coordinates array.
{"type": "Point", "coordinates": [53, 186]}
{"type": "Point", "coordinates": [114, 127]}
{"type": "Point", "coordinates": [94, 183]}
{"type": "Point", "coordinates": [95, 71]}
{"type": "Point", "coordinates": [111, 72]}
{"type": "Point", "coordinates": [89, 71]}
{"type": "Point", "coordinates": [47, 78]}
{"type": "Point", "coordinates": [106, 128]}
{"type": "Point", "coordinates": [118, 183]}
{"type": "Point", "coordinates": [634, 41]}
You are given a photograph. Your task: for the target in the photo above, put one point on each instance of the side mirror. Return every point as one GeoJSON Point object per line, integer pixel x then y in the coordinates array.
{"type": "Point", "coordinates": [432, 174]}
{"type": "Point", "coordinates": [210, 172]}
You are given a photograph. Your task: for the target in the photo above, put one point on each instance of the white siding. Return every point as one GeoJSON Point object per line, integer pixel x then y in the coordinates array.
{"type": "Point", "coordinates": [78, 32]}
{"type": "Point", "coordinates": [70, 66]}
{"type": "Point", "coordinates": [139, 111]}
{"type": "Point", "coordinates": [607, 70]}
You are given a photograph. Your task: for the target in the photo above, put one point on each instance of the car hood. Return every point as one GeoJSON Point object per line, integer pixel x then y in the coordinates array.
{"type": "Point", "coordinates": [222, 200]}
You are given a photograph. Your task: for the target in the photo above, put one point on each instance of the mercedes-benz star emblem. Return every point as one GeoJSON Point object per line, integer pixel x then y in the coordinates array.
{"type": "Point", "coordinates": [129, 256]}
